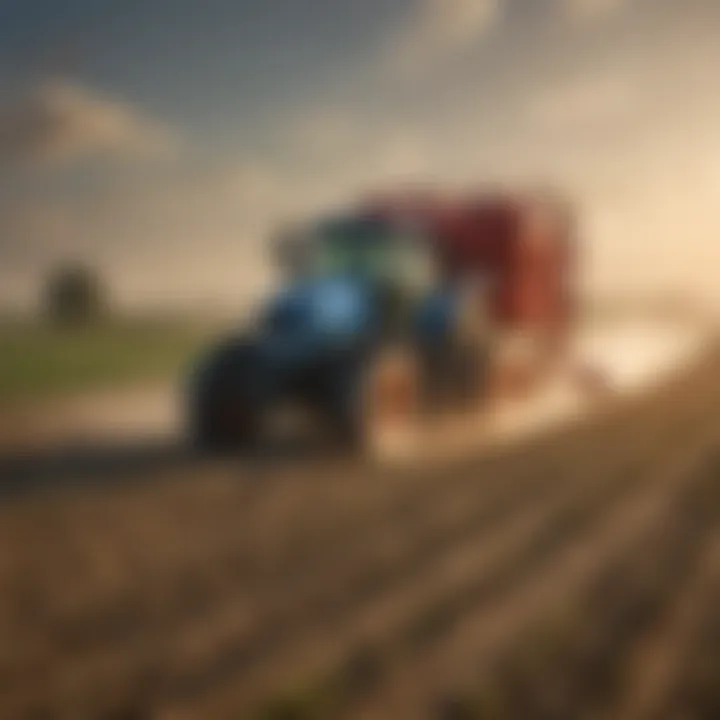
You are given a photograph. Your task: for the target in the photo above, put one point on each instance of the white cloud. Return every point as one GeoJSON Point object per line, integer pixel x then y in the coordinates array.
{"type": "Point", "coordinates": [62, 122]}
{"type": "Point", "coordinates": [439, 30]}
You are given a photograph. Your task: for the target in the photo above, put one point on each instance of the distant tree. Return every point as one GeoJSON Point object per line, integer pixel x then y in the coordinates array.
{"type": "Point", "coordinates": [74, 295]}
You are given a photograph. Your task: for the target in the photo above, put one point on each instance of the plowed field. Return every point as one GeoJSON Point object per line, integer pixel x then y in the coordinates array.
{"type": "Point", "coordinates": [575, 577]}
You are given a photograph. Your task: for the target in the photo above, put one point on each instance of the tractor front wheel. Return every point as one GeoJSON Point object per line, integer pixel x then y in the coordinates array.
{"type": "Point", "coordinates": [224, 415]}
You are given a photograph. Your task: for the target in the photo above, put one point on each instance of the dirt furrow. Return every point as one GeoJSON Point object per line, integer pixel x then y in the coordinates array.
{"type": "Point", "coordinates": [657, 662]}
{"type": "Point", "coordinates": [581, 664]}
{"type": "Point", "coordinates": [198, 593]}
{"type": "Point", "coordinates": [693, 690]}
{"type": "Point", "coordinates": [277, 523]}
{"type": "Point", "coordinates": [480, 635]}
{"type": "Point", "coordinates": [221, 593]}
{"type": "Point", "coordinates": [366, 620]}
{"type": "Point", "coordinates": [239, 640]}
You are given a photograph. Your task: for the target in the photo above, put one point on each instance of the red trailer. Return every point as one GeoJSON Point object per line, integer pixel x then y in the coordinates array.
{"type": "Point", "coordinates": [523, 246]}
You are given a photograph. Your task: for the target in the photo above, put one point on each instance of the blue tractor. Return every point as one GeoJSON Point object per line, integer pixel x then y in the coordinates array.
{"type": "Point", "coordinates": [364, 332]}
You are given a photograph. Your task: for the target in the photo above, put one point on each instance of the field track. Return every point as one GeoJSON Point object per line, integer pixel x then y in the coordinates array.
{"type": "Point", "coordinates": [577, 577]}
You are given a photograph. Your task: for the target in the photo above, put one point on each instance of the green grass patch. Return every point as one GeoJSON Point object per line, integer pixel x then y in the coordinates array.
{"type": "Point", "coordinates": [39, 360]}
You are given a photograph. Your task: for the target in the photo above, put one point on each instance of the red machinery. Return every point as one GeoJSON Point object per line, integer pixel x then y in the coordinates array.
{"type": "Point", "coordinates": [524, 246]}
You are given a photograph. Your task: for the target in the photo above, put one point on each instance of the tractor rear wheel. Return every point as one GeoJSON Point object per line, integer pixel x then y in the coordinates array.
{"type": "Point", "coordinates": [391, 402]}
{"type": "Point", "coordinates": [455, 377]}
{"type": "Point", "coordinates": [381, 405]}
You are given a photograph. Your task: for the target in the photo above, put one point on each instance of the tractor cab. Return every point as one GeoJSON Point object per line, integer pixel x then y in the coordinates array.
{"type": "Point", "coordinates": [394, 262]}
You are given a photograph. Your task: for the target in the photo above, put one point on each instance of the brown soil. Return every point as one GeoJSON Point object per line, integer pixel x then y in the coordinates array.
{"type": "Point", "coordinates": [575, 577]}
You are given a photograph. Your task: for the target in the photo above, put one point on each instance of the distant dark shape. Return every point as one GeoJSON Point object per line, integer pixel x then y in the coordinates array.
{"type": "Point", "coordinates": [74, 295]}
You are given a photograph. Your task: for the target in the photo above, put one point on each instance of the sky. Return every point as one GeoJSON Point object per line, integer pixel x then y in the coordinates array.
{"type": "Point", "coordinates": [163, 141]}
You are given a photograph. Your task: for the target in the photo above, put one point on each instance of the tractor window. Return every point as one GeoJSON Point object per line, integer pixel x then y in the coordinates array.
{"type": "Point", "coordinates": [376, 250]}
{"type": "Point", "coordinates": [356, 247]}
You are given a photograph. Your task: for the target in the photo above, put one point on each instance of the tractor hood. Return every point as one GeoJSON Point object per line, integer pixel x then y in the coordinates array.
{"type": "Point", "coordinates": [316, 312]}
